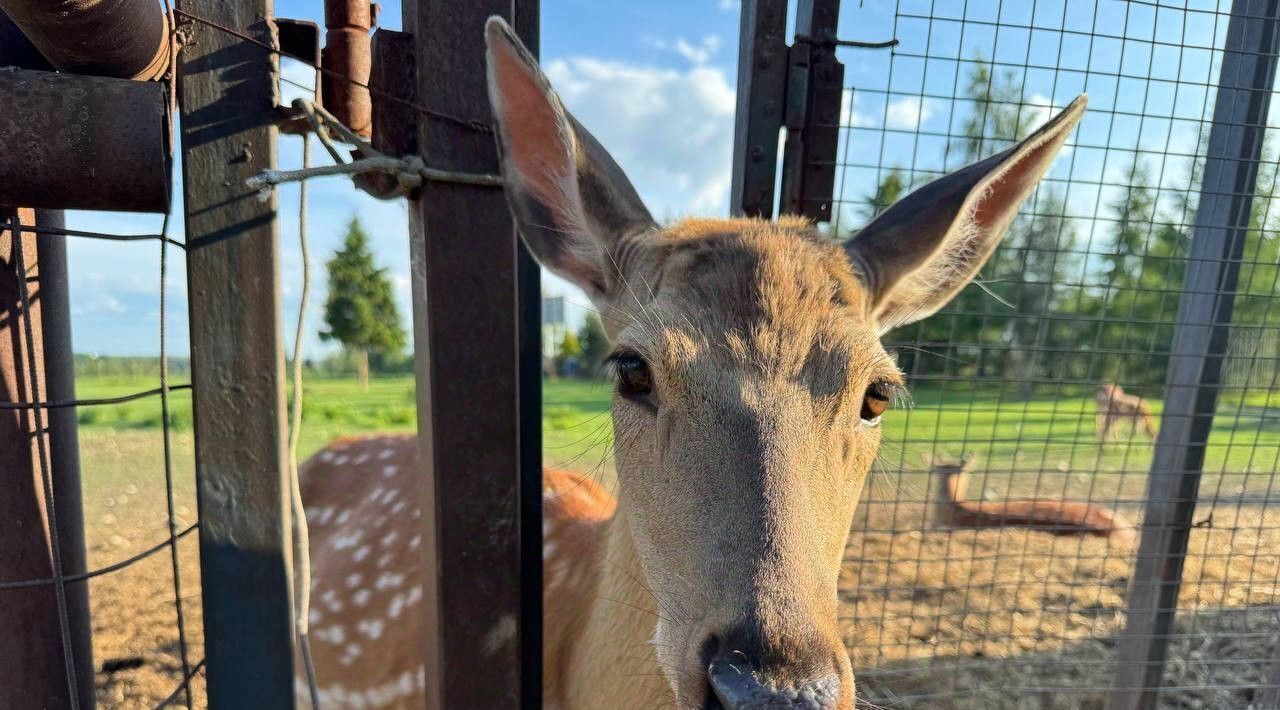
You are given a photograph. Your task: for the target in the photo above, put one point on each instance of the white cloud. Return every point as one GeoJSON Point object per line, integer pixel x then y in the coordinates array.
{"type": "Point", "coordinates": [907, 113]}
{"type": "Point", "coordinates": [670, 130]}
{"type": "Point", "coordinates": [728, 5]}
{"type": "Point", "coordinates": [699, 53]}
{"type": "Point", "coordinates": [903, 114]}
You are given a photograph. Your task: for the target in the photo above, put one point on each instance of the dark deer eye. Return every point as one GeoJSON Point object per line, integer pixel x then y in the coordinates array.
{"type": "Point", "coordinates": [634, 378]}
{"type": "Point", "coordinates": [876, 401]}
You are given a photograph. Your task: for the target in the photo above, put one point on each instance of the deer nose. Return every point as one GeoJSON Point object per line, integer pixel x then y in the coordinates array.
{"type": "Point", "coordinates": [746, 672]}
{"type": "Point", "coordinates": [737, 685]}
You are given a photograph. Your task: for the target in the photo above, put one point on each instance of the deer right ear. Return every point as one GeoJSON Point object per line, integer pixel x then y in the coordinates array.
{"type": "Point", "coordinates": [571, 200]}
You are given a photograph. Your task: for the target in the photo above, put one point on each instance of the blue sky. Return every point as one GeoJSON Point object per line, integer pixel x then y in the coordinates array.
{"type": "Point", "coordinates": [655, 82]}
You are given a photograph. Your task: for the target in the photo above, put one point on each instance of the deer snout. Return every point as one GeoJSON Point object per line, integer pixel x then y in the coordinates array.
{"type": "Point", "coordinates": [742, 674]}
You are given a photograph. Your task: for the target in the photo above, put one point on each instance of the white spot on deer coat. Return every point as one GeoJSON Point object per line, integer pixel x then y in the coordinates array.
{"type": "Point", "coordinates": [354, 579]}
{"type": "Point", "coordinates": [386, 454]}
{"type": "Point", "coordinates": [361, 553]}
{"type": "Point", "coordinates": [361, 597]}
{"type": "Point", "coordinates": [415, 541]}
{"type": "Point", "coordinates": [388, 580]}
{"type": "Point", "coordinates": [389, 538]}
{"type": "Point", "coordinates": [330, 634]}
{"type": "Point", "coordinates": [343, 542]}
{"type": "Point", "coordinates": [371, 628]}
{"type": "Point", "coordinates": [390, 470]}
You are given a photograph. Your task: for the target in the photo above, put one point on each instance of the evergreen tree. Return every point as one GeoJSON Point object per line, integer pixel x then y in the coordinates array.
{"type": "Point", "coordinates": [594, 342]}
{"type": "Point", "coordinates": [360, 310]}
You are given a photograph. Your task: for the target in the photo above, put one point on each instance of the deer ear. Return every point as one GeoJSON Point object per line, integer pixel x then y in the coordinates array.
{"type": "Point", "coordinates": [921, 251]}
{"type": "Point", "coordinates": [571, 200]}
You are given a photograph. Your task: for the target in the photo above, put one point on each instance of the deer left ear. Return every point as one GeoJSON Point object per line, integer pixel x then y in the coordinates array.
{"type": "Point", "coordinates": [921, 251]}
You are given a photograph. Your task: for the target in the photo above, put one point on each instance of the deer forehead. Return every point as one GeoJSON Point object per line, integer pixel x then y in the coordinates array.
{"type": "Point", "coordinates": [734, 297]}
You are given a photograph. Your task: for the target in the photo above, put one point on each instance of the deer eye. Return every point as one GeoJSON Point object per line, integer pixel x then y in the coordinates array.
{"type": "Point", "coordinates": [875, 401]}
{"type": "Point", "coordinates": [634, 378]}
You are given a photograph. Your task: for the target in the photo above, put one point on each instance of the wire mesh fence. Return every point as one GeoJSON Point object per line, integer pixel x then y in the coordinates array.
{"type": "Point", "coordinates": [127, 545]}
{"type": "Point", "coordinates": [1084, 293]}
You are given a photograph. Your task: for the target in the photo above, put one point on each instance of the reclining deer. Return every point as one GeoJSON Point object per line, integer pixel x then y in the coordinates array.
{"type": "Point", "coordinates": [750, 386]}
{"type": "Point", "coordinates": [952, 508]}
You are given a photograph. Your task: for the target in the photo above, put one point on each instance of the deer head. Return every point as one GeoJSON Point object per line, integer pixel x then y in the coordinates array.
{"type": "Point", "coordinates": [750, 380]}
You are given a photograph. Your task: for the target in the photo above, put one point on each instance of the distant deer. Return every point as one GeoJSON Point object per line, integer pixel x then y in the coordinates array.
{"type": "Point", "coordinates": [750, 385]}
{"type": "Point", "coordinates": [1115, 405]}
{"type": "Point", "coordinates": [1060, 517]}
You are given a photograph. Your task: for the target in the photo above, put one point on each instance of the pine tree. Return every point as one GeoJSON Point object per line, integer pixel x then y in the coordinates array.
{"type": "Point", "coordinates": [594, 342]}
{"type": "Point", "coordinates": [360, 311]}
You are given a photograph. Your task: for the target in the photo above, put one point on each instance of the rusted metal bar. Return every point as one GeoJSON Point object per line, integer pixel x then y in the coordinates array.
{"type": "Point", "coordinates": [395, 123]}
{"type": "Point", "coordinates": [228, 91]}
{"type": "Point", "coordinates": [346, 61]}
{"type": "Point", "coordinates": [35, 673]}
{"type": "Point", "coordinates": [81, 142]}
{"type": "Point", "coordinates": [481, 446]}
{"type": "Point", "coordinates": [125, 39]}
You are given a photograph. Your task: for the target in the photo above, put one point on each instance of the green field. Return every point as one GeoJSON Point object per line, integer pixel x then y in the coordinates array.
{"type": "Point", "coordinates": [1044, 445]}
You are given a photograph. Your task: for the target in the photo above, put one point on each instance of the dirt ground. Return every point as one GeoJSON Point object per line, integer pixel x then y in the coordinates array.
{"type": "Point", "coordinates": [135, 638]}
{"type": "Point", "coordinates": [933, 618]}
{"type": "Point", "coordinates": [1022, 619]}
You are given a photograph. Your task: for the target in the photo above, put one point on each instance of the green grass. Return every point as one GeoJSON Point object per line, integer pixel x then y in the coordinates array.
{"type": "Point", "coordinates": [1045, 445]}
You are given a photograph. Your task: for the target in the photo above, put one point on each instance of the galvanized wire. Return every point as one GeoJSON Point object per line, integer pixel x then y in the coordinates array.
{"type": "Point", "coordinates": [950, 617]}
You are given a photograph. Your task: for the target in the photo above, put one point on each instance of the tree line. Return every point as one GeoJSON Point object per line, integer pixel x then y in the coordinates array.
{"type": "Point", "coordinates": [1060, 303]}
{"type": "Point", "coordinates": [1067, 299]}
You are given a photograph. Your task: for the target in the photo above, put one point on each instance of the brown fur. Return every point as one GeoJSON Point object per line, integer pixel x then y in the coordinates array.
{"type": "Point", "coordinates": [1115, 405]}
{"type": "Point", "coordinates": [1058, 517]}
{"type": "Point", "coordinates": [739, 467]}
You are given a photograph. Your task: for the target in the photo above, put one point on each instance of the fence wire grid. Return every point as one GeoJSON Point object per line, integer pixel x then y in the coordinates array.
{"type": "Point", "coordinates": [1084, 291]}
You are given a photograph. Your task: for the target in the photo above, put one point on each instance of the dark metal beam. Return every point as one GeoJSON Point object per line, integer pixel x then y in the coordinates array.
{"type": "Point", "coordinates": [227, 94]}
{"type": "Point", "coordinates": [762, 80]}
{"type": "Point", "coordinates": [815, 85]}
{"type": "Point", "coordinates": [82, 142]}
{"type": "Point", "coordinates": [475, 321]}
{"type": "Point", "coordinates": [1199, 347]}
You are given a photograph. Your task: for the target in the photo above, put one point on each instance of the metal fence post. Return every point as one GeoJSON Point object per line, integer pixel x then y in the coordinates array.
{"type": "Point", "coordinates": [477, 363]}
{"type": "Point", "coordinates": [1199, 347]}
{"type": "Point", "coordinates": [227, 93]}
{"type": "Point", "coordinates": [762, 79]}
{"type": "Point", "coordinates": [41, 671]}
{"type": "Point", "coordinates": [815, 85]}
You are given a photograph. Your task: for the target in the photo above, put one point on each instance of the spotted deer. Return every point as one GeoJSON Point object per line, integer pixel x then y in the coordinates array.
{"type": "Point", "coordinates": [750, 386]}
{"type": "Point", "coordinates": [952, 508]}
{"type": "Point", "coordinates": [1115, 405]}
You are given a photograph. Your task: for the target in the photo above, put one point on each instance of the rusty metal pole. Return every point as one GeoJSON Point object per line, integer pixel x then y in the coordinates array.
{"type": "Point", "coordinates": [346, 59]}
{"type": "Point", "coordinates": [125, 39]}
{"type": "Point", "coordinates": [82, 142]}
{"type": "Point", "coordinates": [39, 669]}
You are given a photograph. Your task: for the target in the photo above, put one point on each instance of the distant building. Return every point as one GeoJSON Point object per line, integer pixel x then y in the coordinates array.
{"type": "Point", "coordinates": [554, 325]}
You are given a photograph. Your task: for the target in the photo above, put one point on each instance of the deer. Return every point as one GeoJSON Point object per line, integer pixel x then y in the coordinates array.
{"type": "Point", "coordinates": [1115, 405]}
{"type": "Point", "coordinates": [749, 388]}
{"type": "Point", "coordinates": [1060, 517]}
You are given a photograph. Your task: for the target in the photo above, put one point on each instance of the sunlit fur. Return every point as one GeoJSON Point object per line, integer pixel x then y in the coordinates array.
{"type": "Point", "coordinates": [736, 493]}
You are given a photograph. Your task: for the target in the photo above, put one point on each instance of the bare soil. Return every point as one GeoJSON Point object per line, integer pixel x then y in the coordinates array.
{"type": "Point", "coordinates": [933, 618]}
